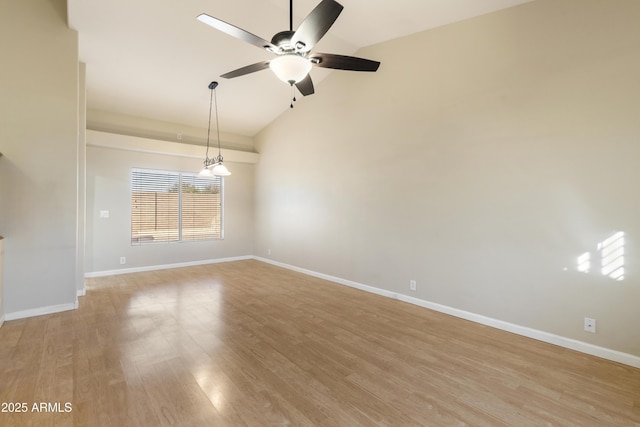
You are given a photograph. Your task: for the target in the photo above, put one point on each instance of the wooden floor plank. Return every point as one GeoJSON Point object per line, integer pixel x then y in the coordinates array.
{"type": "Point", "coordinates": [249, 344]}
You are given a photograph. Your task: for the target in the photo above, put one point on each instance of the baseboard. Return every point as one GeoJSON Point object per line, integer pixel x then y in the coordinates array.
{"type": "Point", "coordinates": [81, 292]}
{"type": "Point", "coordinates": [583, 347]}
{"type": "Point", "coordinates": [165, 266]}
{"type": "Point", "coordinates": [40, 311]}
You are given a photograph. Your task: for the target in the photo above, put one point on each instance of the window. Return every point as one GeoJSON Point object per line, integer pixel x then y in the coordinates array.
{"type": "Point", "coordinates": [171, 206]}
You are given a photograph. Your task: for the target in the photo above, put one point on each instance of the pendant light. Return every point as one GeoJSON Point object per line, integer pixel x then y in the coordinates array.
{"type": "Point", "coordinates": [213, 167]}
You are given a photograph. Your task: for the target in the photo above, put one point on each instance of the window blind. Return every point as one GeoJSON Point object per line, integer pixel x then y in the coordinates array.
{"type": "Point", "coordinates": [169, 206]}
{"type": "Point", "coordinates": [201, 208]}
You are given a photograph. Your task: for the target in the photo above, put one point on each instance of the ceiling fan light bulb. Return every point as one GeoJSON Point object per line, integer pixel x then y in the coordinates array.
{"type": "Point", "coordinates": [290, 68]}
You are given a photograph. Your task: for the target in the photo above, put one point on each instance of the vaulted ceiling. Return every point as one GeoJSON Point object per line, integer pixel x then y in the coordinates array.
{"type": "Point", "coordinates": [153, 59]}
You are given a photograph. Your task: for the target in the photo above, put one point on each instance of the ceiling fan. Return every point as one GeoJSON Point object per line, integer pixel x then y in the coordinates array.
{"type": "Point", "coordinates": [293, 48]}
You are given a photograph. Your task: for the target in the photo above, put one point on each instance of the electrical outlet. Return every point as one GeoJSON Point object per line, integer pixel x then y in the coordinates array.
{"type": "Point", "coordinates": [412, 285]}
{"type": "Point", "coordinates": [590, 325]}
{"type": "Point", "coordinates": [268, 251]}
{"type": "Point", "coordinates": [123, 260]}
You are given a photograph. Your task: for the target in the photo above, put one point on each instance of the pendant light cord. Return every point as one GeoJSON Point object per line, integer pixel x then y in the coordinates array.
{"type": "Point", "coordinates": [212, 98]}
{"type": "Point", "coordinates": [209, 127]}
{"type": "Point", "coordinates": [215, 97]}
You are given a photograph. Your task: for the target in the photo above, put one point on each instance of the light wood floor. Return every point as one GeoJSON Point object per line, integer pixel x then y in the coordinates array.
{"type": "Point", "coordinates": [247, 343]}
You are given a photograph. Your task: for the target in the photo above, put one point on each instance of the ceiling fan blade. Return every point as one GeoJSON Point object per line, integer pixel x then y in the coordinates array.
{"type": "Point", "coordinates": [341, 62]}
{"type": "Point", "coordinates": [246, 70]}
{"type": "Point", "coordinates": [236, 32]}
{"type": "Point", "coordinates": [305, 86]}
{"type": "Point", "coordinates": [316, 25]}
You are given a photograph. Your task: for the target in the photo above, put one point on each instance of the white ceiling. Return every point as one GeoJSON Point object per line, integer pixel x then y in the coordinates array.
{"type": "Point", "coordinates": [153, 59]}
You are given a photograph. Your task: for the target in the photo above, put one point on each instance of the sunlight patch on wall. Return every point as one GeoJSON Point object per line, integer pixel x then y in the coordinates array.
{"type": "Point", "coordinates": [584, 262]}
{"type": "Point", "coordinates": [611, 254]}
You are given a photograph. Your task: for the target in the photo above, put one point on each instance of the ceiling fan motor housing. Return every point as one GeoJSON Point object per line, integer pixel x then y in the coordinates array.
{"type": "Point", "coordinates": [283, 41]}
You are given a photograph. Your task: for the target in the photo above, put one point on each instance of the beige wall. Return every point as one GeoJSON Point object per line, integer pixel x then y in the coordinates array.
{"type": "Point", "coordinates": [82, 176]}
{"type": "Point", "coordinates": [107, 121]}
{"type": "Point", "coordinates": [39, 169]}
{"type": "Point", "coordinates": [109, 188]}
{"type": "Point", "coordinates": [480, 160]}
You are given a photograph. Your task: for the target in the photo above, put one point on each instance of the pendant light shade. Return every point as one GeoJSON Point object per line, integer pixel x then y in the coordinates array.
{"type": "Point", "coordinates": [213, 167]}
{"type": "Point", "coordinates": [220, 170]}
{"type": "Point", "coordinates": [290, 68]}
{"type": "Point", "coordinates": [206, 173]}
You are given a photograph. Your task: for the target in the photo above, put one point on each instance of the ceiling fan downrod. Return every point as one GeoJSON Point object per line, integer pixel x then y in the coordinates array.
{"type": "Point", "coordinates": [290, 15]}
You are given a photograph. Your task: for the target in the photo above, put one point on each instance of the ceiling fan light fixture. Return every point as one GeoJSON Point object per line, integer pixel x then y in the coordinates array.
{"type": "Point", "coordinates": [290, 68]}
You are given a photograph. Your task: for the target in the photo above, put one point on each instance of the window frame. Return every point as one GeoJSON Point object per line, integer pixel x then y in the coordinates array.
{"type": "Point", "coordinates": [180, 229]}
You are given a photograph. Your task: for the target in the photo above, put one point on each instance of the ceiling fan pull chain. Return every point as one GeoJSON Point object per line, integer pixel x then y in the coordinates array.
{"type": "Point", "coordinates": [293, 95]}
